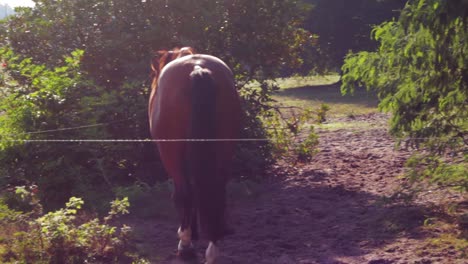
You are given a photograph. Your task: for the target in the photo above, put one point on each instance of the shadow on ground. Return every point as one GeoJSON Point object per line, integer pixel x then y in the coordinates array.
{"type": "Point", "coordinates": [335, 209]}
{"type": "Point", "coordinates": [306, 223]}
{"type": "Point", "coordinates": [316, 224]}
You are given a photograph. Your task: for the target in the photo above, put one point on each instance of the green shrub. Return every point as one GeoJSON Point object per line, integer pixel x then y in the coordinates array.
{"type": "Point", "coordinates": [63, 236]}
{"type": "Point", "coordinates": [322, 113]}
{"type": "Point", "coordinates": [48, 102]}
{"type": "Point", "coordinates": [291, 137]}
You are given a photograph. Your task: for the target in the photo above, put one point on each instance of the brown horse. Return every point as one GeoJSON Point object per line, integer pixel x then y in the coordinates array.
{"type": "Point", "coordinates": [195, 107]}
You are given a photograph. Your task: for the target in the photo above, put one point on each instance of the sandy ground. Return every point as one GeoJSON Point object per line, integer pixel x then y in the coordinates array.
{"type": "Point", "coordinates": [346, 206]}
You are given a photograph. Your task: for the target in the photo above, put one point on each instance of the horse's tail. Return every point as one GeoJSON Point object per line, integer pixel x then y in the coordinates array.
{"type": "Point", "coordinates": [209, 188]}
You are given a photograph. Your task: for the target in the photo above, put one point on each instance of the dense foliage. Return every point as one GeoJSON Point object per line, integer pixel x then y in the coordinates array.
{"type": "Point", "coordinates": [40, 99]}
{"type": "Point", "coordinates": [69, 66]}
{"type": "Point", "coordinates": [119, 36]}
{"type": "Point", "coordinates": [420, 73]}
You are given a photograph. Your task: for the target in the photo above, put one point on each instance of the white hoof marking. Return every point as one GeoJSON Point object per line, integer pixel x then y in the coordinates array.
{"type": "Point", "coordinates": [185, 238]}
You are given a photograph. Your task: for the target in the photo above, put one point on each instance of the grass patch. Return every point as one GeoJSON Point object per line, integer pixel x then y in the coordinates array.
{"type": "Point", "coordinates": [302, 81]}
{"type": "Point", "coordinates": [311, 92]}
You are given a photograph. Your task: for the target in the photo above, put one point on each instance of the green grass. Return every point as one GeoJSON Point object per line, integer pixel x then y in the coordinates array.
{"type": "Point", "coordinates": [313, 91]}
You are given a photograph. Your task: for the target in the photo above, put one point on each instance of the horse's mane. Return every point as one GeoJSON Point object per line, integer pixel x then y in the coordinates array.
{"type": "Point", "coordinates": [163, 57]}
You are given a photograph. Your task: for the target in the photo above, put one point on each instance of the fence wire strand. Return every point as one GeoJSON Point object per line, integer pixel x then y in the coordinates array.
{"type": "Point", "coordinates": [133, 140]}
{"type": "Point", "coordinates": [51, 131]}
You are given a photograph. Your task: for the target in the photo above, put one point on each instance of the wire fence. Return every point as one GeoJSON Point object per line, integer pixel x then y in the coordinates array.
{"type": "Point", "coordinates": [134, 140]}
{"type": "Point", "coordinates": [145, 140]}
{"type": "Point", "coordinates": [49, 131]}
{"type": "Point", "coordinates": [14, 138]}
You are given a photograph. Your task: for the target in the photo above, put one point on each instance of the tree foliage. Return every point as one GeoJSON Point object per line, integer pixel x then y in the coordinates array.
{"type": "Point", "coordinates": [419, 71]}
{"type": "Point", "coordinates": [120, 36]}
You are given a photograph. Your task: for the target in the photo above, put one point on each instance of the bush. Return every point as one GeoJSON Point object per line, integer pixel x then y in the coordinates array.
{"type": "Point", "coordinates": [61, 103]}
{"type": "Point", "coordinates": [292, 137]}
{"type": "Point", "coordinates": [63, 236]}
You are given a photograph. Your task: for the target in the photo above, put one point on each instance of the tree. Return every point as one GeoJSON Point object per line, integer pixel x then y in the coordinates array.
{"type": "Point", "coordinates": [119, 37]}
{"type": "Point", "coordinates": [419, 72]}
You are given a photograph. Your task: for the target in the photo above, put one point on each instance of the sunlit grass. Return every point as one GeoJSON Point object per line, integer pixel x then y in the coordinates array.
{"type": "Point", "coordinates": [302, 81]}
{"type": "Point", "coordinates": [312, 91]}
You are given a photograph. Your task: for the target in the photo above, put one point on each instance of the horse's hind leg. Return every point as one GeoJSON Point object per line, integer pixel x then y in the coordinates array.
{"type": "Point", "coordinates": [184, 204]}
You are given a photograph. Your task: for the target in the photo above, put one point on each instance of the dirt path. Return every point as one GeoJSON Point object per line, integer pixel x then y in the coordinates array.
{"type": "Point", "coordinates": [336, 209]}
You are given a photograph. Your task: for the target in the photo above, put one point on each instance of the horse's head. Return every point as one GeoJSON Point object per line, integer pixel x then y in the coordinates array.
{"type": "Point", "coordinates": [163, 57]}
